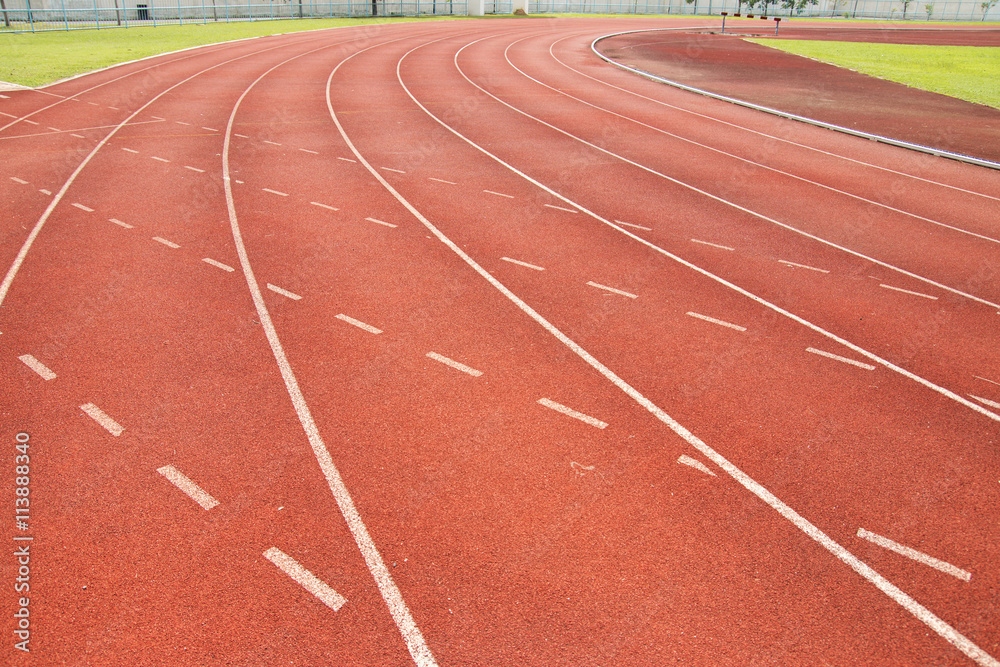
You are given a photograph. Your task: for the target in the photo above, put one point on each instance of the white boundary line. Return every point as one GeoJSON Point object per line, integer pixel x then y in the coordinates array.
{"type": "Point", "coordinates": [305, 578]}
{"type": "Point", "coordinates": [570, 412]}
{"type": "Point", "coordinates": [358, 323]}
{"type": "Point", "coordinates": [454, 364]}
{"type": "Point", "coordinates": [102, 418]}
{"type": "Point", "coordinates": [715, 321]}
{"type": "Point", "coordinates": [184, 483]}
{"type": "Point", "coordinates": [520, 263]}
{"type": "Point", "coordinates": [613, 290]}
{"type": "Point", "coordinates": [837, 357]}
{"type": "Point", "coordinates": [696, 464]}
{"type": "Point", "coordinates": [913, 554]}
{"type": "Point", "coordinates": [38, 367]}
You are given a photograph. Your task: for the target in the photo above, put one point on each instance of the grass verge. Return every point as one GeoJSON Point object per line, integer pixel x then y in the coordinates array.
{"type": "Point", "coordinates": [970, 73]}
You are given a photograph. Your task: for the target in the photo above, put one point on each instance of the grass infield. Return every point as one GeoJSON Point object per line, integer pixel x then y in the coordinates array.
{"type": "Point", "coordinates": [970, 73]}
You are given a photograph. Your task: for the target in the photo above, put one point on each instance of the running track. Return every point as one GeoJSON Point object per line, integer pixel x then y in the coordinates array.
{"type": "Point", "coordinates": [481, 351]}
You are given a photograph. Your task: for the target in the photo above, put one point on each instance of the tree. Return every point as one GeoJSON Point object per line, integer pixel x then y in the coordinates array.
{"type": "Point", "coordinates": [987, 6]}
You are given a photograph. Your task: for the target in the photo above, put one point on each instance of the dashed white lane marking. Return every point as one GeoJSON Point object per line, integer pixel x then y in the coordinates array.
{"type": "Point", "coordinates": [441, 180]}
{"type": "Point", "coordinates": [79, 136]}
{"type": "Point", "coordinates": [283, 292]}
{"type": "Point", "coordinates": [913, 554]}
{"type": "Point", "coordinates": [380, 222]}
{"type": "Point", "coordinates": [696, 464]}
{"type": "Point", "coordinates": [210, 129]}
{"type": "Point", "coordinates": [837, 357]}
{"type": "Point", "coordinates": [193, 491]}
{"type": "Point", "coordinates": [55, 129]}
{"type": "Point", "coordinates": [95, 104]}
{"type": "Point", "coordinates": [120, 223]}
{"type": "Point", "coordinates": [99, 416]}
{"type": "Point", "coordinates": [629, 224]}
{"type": "Point", "coordinates": [241, 136]}
{"type": "Point", "coordinates": [200, 171]}
{"type": "Point", "coordinates": [454, 364]}
{"type": "Point", "coordinates": [169, 244]}
{"type": "Point", "coordinates": [986, 401]}
{"type": "Point", "coordinates": [275, 192]}
{"type": "Point", "coordinates": [397, 171]}
{"type": "Point", "coordinates": [347, 159]}
{"type": "Point", "coordinates": [498, 194]}
{"type": "Point", "coordinates": [273, 143]}
{"type": "Point", "coordinates": [326, 206]}
{"type": "Point", "coordinates": [801, 266]}
{"type": "Point", "coordinates": [219, 265]}
{"type": "Point", "coordinates": [906, 291]}
{"type": "Point", "coordinates": [306, 150]}
{"type": "Point", "coordinates": [180, 122]}
{"type": "Point", "coordinates": [714, 245]}
{"type": "Point", "coordinates": [37, 366]}
{"type": "Point", "coordinates": [719, 322]}
{"type": "Point", "coordinates": [7, 97]}
{"type": "Point", "coordinates": [520, 263]}
{"type": "Point", "coordinates": [31, 122]}
{"type": "Point", "coordinates": [305, 578]}
{"type": "Point", "coordinates": [985, 380]}
{"type": "Point", "coordinates": [612, 289]}
{"type": "Point", "coordinates": [358, 323]}
{"type": "Point", "coordinates": [83, 208]}
{"type": "Point", "coordinates": [130, 150]}
{"type": "Point", "coordinates": [560, 208]}
{"type": "Point", "coordinates": [570, 412]}
{"type": "Point", "coordinates": [44, 191]}
{"type": "Point", "coordinates": [18, 180]}
{"type": "Point", "coordinates": [159, 159]}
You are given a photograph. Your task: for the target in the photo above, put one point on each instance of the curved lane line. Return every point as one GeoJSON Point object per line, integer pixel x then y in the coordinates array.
{"type": "Point", "coordinates": [912, 606]}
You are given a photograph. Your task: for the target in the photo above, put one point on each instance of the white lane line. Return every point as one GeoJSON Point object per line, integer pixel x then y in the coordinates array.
{"type": "Point", "coordinates": [629, 224]}
{"type": "Point", "coordinates": [120, 223]}
{"type": "Point", "coordinates": [985, 380]}
{"type": "Point", "coordinates": [159, 159]}
{"type": "Point", "coordinates": [210, 129]}
{"type": "Point", "coordinates": [83, 208]}
{"type": "Point", "coordinates": [32, 122]}
{"type": "Point", "coordinates": [306, 150]}
{"type": "Point", "coordinates": [44, 191]}
{"type": "Point", "coordinates": [99, 416]}
{"type": "Point", "coordinates": [37, 366]}
{"type": "Point", "coordinates": [114, 108]}
{"type": "Point", "coordinates": [305, 578]}
{"type": "Point", "coordinates": [801, 266]}
{"type": "Point", "coordinates": [4, 113]}
{"type": "Point", "coordinates": [241, 136]}
{"type": "Point", "coordinates": [180, 122]}
{"type": "Point", "coordinates": [379, 222]}
{"type": "Point", "coordinates": [612, 289]}
{"type": "Point", "coordinates": [454, 364]}
{"type": "Point", "coordinates": [165, 242]}
{"type": "Point", "coordinates": [560, 208]}
{"type": "Point", "coordinates": [193, 491]}
{"type": "Point", "coordinates": [55, 129]}
{"type": "Point", "coordinates": [7, 97]}
{"type": "Point", "coordinates": [18, 180]}
{"type": "Point", "coordinates": [498, 194]}
{"type": "Point", "coordinates": [273, 143]}
{"type": "Point", "coordinates": [130, 150]}
{"type": "Point", "coordinates": [913, 554]}
{"type": "Point", "coordinates": [719, 322]}
{"type": "Point", "coordinates": [986, 401]}
{"type": "Point", "coordinates": [326, 206]}
{"type": "Point", "coordinates": [906, 291]}
{"type": "Point", "coordinates": [358, 323]}
{"type": "Point", "coordinates": [283, 292]}
{"type": "Point", "coordinates": [714, 245]}
{"type": "Point", "coordinates": [200, 171]}
{"type": "Point", "coordinates": [80, 136]}
{"type": "Point", "coordinates": [347, 159]}
{"type": "Point", "coordinates": [441, 180]}
{"type": "Point", "coordinates": [220, 265]}
{"type": "Point", "coordinates": [696, 464]}
{"type": "Point", "coordinates": [520, 263]}
{"type": "Point", "coordinates": [837, 357]}
{"type": "Point", "coordinates": [275, 192]}
{"type": "Point", "coordinates": [397, 171]}
{"type": "Point", "coordinates": [570, 412]}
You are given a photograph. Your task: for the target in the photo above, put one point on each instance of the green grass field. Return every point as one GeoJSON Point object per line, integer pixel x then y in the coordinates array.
{"type": "Point", "coordinates": [970, 73]}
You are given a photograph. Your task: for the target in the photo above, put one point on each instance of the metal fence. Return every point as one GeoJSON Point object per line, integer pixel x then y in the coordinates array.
{"type": "Point", "coordinates": [923, 10]}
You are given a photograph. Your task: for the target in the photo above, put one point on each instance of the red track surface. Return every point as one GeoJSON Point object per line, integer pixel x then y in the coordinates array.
{"type": "Point", "coordinates": [387, 177]}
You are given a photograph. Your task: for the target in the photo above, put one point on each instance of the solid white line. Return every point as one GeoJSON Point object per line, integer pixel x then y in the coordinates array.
{"type": "Point", "coordinates": [200, 171]}
{"type": "Point", "coordinates": [165, 242]}
{"type": "Point", "coordinates": [380, 222]}
{"type": "Point", "coordinates": [306, 150]}
{"type": "Point", "coordinates": [18, 180]}
{"type": "Point", "coordinates": [393, 170]}
{"type": "Point", "coordinates": [560, 208]}
{"type": "Point", "coordinates": [714, 245]}
{"type": "Point", "coordinates": [986, 401]}
{"type": "Point", "coordinates": [454, 364]}
{"type": "Point", "coordinates": [441, 180]}
{"type": "Point", "coordinates": [629, 224]}
{"type": "Point", "coordinates": [612, 289]}
{"type": "Point", "coordinates": [719, 322]}
{"type": "Point", "coordinates": [120, 223]}
{"type": "Point", "coordinates": [837, 357]}
{"type": "Point", "coordinates": [520, 263]}
{"type": "Point", "coordinates": [316, 203]}
{"type": "Point", "coordinates": [570, 412]}
{"type": "Point", "coordinates": [283, 292]}
{"type": "Point", "coordinates": [985, 380]}
{"type": "Point", "coordinates": [220, 265]}
{"type": "Point", "coordinates": [275, 192]}
{"type": "Point", "coordinates": [913, 554]}
{"type": "Point", "coordinates": [83, 208]}
{"type": "Point", "coordinates": [358, 323]}
{"type": "Point", "coordinates": [130, 150]}
{"type": "Point", "coordinates": [906, 291]}
{"type": "Point", "coordinates": [159, 159]}
{"type": "Point", "coordinates": [99, 416]}
{"type": "Point", "coordinates": [802, 266]}
{"type": "Point", "coordinates": [347, 159]}
{"type": "Point", "coordinates": [498, 194]}
{"type": "Point", "coordinates": [273, 143]}
{"type": "Point", "coordinates": [305, 578]}
{"type": "Point", "coordinates": [696, 464]}
{"type": "Point", "coordinates": [193, 491]}
{"type": "Point", "coordinates": [37, 366]}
